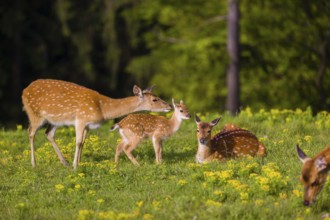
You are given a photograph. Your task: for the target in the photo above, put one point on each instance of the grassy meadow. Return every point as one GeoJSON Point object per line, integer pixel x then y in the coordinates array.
{"type": "Point", "coordinates": [249, 188]}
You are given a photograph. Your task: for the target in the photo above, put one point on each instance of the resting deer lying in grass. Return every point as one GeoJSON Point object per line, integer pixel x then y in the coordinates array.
{"type": "Point", "coordinates": [59, 103]}
{"type": "Point", "coordinates": [231, 142]}
{"type": "Point", "coordinates": [314, 173]}
{"type": "Point", "coordinates": [135, 127]}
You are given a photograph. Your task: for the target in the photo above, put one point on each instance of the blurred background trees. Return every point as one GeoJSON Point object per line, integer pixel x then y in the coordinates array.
{"type": "Point", "coordinates": [181, 46]}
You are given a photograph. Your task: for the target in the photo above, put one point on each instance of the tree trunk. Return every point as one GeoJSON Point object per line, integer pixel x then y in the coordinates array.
{"type": "Point", "coordinates": [233, 94]}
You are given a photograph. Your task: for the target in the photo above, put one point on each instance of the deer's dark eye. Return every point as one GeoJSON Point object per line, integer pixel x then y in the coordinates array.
{"type": "Point", "coordinates": [197, 130]}
{"type": "Point", "coordinates": [181, 111]}
{"type": "Point", "coordinates": [209, 131]}
{"type": "Point", "coordinates": [155, 100]}
{"type": "Point", "coordinates": [315, 183]}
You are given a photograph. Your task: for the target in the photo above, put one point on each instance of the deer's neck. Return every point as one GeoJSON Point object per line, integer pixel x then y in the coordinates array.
{"type": "Point", "coordinates": [204, 153]}
{"type": "Point", "coordinates": [114, 108]}
{"type": "Point", "coordinates": [174, 123]}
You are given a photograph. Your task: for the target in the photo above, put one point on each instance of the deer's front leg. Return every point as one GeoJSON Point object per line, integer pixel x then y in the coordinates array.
{"type": "Point", "coordinates": [157, 142]}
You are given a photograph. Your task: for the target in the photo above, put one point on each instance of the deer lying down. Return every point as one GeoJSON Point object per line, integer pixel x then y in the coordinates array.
{"type": "Point", "coordinates": [314, 173]}
{"type": "Point", "coordinates": [231, 142]}
{"type": "Point", "coordinates": [57, 103]}
{"type": "Point", "coordinates": [135, 127]}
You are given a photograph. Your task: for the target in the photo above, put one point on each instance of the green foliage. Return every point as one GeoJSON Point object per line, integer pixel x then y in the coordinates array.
{"type": "Point", "coordinates": [247, 188]}
{"type": "Point", "coordinates": [282, 43]}
{"type": "Point", "coordinates": [188, 52]}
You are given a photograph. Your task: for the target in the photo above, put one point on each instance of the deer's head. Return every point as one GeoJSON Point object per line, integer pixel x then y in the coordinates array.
{"type": "Point", "coordinates": [313, 175]}
{"type": "Point", "coordinates": [150, 102]}
{"type": "Point", "coordinates": [204, 130]}
{"type": "Point", "coordinates": [181, 110]}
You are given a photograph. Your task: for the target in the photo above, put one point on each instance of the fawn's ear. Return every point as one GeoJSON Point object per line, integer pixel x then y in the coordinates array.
{"type": "Point", "coordinates": [302, 156]}
{"type": "Point", "coordinates": [137, 91]}
{"type": "Point", "coordinates": [197, 119]}
{"type": "Point", "coordinates": [215, 122]}
{"type": "Point", "coordinates": [173, 103]}
{"type": "Point", "coordinates": [321, 164]}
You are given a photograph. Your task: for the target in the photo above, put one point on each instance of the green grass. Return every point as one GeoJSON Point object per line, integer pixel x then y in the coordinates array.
{"type": "Point", "coordinates": [249, 188]}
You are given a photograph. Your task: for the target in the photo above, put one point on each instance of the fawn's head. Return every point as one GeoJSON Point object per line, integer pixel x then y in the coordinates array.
{"type": "Point", "coordinates": [313, 175]}
{"type": "Point", "coordinates": [149, 101]}
{"type": "Point", "coordinates": [181, 110]}
{"type": "Point", "coordinates": [204, 130]}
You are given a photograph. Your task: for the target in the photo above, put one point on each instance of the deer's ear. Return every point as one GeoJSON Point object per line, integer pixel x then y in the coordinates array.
{"type": "Point", "coordinates": [215, 122]}
{"type": "Point", "coordinates": [137, 91]}
{"type": "Point", "coordinates": [149, 89]}
{"type": "Point", "coordinates": [302, 156]}
{"type": "Point", "coordinates": [173, 103]}
{"type": "Point", "coordinates": [321, 164]}
{"type": "Point", "coordinates": [197, 119]}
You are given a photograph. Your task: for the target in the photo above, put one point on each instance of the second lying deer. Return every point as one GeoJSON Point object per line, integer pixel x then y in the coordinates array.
{"type": "Point", "coordinates": [231, 142]}
{"type": "Point", "coordinates": [135, 127]}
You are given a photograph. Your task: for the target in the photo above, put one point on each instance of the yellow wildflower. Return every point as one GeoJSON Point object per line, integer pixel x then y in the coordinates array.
{"type": "Point", "coordinates": [244, 195]}
{"type": "Point", "coordinates": [308, 138]}
{"type": "Point", "coordinates": [297, 193]}
{"type": "Point", "coordinates": [100, 200]}
{"type": "Point", "coordinates": [156, 205]}
{"type": "Point", "coordinates": [213, 203]}
{"type": "Point", "coordinates": [259, 202]}
{"type": "Point", "coordinates": [85, 214]}
{"type": "Point", "coordinates": [59, 187]}
{"type": "Point", "coordinates": [182, 182]}
{"type": "Point", "coordinates": [218, 193]}
{"type": "Point", "coordinates": [283, 196]}
{"type": "Point", "coordinates": [91, 192]}
{"type": "Point", "coordinates": [139, 204]}
{"type": "Point", "coordinates": [147, 216]}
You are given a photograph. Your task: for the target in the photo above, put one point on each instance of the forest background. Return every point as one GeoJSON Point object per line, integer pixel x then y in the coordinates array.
{"type": "Point", "coordinates": [181, 46]}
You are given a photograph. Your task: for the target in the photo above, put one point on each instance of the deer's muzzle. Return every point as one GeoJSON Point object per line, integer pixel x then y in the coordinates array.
{"type": "Point", "coordinates": [203, 141]}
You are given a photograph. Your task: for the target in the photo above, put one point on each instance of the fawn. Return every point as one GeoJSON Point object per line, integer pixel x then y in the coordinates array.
{"type": "Point", "coordinates": [231, 142]}
{"type": "Point", "coordinates": [135, 127]}
{"type": "Point", "coordinates": [59, 103]}
{"type": "Point", "coordinates": [314, 173]}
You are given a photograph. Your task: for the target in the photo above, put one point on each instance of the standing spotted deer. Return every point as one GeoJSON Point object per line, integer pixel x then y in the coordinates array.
{"type": "Point", "coordinates": [314, 173]}
{"type": "Point", "coordinates": [59, 103]}
{"type": "Point", "coordinates": [135, 127]}
{"type": "Point", "coordinates": [231, 142]}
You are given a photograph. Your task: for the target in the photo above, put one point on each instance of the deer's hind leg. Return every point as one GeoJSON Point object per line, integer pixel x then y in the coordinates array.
{"type": "Point", "coordinates": [130, 146]}
{"type": "Point", "coordinates": [50, 132]}
{"type": "Point", "coordinates": [128, 143]}
{"type": "Point", "coordinates": [35, 124]}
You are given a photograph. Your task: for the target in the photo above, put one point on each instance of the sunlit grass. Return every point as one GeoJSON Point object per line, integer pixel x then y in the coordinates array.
{"type": "Point", "coordinates": [249, 188]}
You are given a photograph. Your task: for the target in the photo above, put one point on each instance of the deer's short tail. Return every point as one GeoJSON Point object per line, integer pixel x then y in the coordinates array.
{"type": "Point", "coordinates": [262, 150]}
{"type": "Point", "coordinates": [114, 127]}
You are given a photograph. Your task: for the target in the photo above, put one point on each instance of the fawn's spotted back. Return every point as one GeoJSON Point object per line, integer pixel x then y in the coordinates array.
{"type": "Point", "coordinates": [233, 141]}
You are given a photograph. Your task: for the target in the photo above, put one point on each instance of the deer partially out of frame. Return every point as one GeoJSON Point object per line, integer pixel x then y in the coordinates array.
{"type": "Point", "coordinates": [135, 127]}
{"type": "Point", "coordinates": [231, 142]}
{"type": "Point", "coordinates": [59, 103]}
{"type": "Point", "coordinates": [314, 173]}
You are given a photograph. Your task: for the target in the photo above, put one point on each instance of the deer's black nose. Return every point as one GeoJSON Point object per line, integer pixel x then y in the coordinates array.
{"type": "Point", "coordinates": [306, 203]}
{"type": "Point", "coordinates": [202, 141]}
